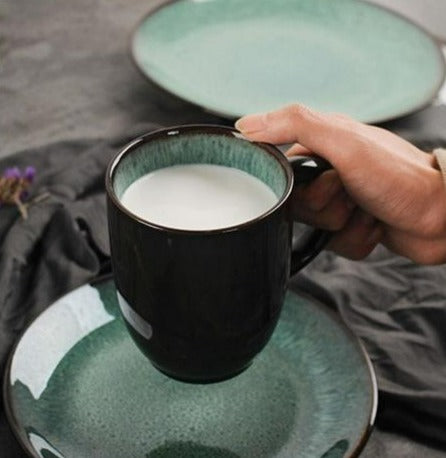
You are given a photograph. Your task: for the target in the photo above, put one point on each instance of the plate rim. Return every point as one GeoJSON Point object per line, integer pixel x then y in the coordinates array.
{"type": "Point", "coordinates": [429, 99]}
{"type": "Point", "coordinates": [358, 447]}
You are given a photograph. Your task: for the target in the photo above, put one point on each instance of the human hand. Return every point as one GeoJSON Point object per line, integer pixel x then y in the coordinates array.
{"type": "Point", "coordinates": [382, 189]}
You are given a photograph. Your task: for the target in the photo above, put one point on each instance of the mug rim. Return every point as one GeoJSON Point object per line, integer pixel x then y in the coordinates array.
{"type": "Point", "coordinates": [187, 129]}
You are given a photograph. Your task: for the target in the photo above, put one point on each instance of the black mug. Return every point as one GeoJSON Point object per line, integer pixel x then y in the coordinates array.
{"type": "Point", "coordinates": [201, 304]}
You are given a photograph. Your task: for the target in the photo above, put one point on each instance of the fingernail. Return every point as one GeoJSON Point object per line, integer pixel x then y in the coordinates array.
{"type": "Point", "coordinates": [251, 123]}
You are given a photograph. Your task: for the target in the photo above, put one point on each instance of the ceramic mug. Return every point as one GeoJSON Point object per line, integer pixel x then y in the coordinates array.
{"type": "Point", "coordinates": [201, 304]}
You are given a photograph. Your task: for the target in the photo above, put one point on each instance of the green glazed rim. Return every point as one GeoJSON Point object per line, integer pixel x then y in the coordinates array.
{"type": "Point", "coordinates": [198, 129]}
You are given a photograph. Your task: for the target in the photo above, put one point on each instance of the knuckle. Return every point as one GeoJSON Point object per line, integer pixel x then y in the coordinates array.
{"type": "Point", "coordinates": [342, 117]}
{"type": "Point", "coordinates": [362, 251]}
{"type": "Point", "coordinates": [338, 221]}
{"type": "Point", "coordinates": [297, 111]}
{"type": "Point", "coordinates": [317, 200]}
{"type": "Point", "coordinates": [335, 222]}
{"type": "Point", "coordinates": [361, 143]}
{"type": "Point", "coordinates": [340, 215]}
{"type": "Point", "coordinates": [324, 192]}
{"type": "Point", "coordinates": [268, 118]}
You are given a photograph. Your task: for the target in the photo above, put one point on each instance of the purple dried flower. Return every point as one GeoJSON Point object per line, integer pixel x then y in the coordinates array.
{"type": "Point", "coordinates": [30, 173]}
{"type": "Point", "coordinates": [14, 186]}
{"type": "Point", "coordinates": [12, 172]}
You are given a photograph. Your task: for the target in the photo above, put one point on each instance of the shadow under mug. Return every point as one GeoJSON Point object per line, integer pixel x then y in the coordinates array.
{"type": "Point", "coordinates": [201, 304]}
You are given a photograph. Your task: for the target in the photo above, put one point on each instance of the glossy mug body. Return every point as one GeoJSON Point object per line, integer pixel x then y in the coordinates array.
{"type": "Point", "coordinates": [202, 304]}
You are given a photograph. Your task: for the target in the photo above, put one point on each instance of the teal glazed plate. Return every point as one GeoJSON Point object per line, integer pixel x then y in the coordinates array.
{"type": "Point", "coordinates": [235, 57]}
{"type": "Point", "coordinates": [76, 386]}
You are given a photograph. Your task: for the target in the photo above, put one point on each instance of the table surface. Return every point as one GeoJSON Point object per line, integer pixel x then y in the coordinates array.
{"type": "Point", "coordinates": [65, 73]}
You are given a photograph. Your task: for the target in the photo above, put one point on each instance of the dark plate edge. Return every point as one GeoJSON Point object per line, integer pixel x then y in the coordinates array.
{"type": "Point", "coordinates": [356, 341]}
{"type": "Point", "coordinates": [358, 447]}
{"type": "Point", "coordinates": [232, 117]}
{"type": "Point", "coordinates": [11, 420]}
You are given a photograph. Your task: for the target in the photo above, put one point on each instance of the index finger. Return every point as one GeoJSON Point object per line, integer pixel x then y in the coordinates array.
{"type": "Point", "coordinates": [332, 137]}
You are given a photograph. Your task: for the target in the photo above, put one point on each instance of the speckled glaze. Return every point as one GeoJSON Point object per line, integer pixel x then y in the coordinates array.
{"type": "Point", "coordinates": [236, 57]}
{"type": "Point", "coordinates": [199, 148]}
{"type": "Point", "coordinates": [76, 386]}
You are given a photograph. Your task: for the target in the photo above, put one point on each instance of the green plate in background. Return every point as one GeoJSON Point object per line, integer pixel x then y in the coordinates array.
{"type": "Point", "coordinates": [235, 57]}
{"type": "Point", "coordinates": [76, 386]}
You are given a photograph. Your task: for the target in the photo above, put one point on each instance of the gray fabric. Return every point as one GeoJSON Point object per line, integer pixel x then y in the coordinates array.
{"type": "Point", "coordinates": [66, 73]}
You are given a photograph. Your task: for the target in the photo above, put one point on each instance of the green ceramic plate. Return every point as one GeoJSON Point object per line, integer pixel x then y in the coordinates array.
{"type": "Point", "coordinates": [235, 57]}
{"type": "Point", "coordinates": [76, 386]}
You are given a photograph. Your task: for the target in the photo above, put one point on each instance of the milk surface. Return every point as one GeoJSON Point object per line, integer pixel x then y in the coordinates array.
{"type": "Point", "coordinates": [198, 197]}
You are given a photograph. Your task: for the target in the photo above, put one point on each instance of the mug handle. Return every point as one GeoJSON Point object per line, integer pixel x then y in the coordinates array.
{"type": "Point", "coordinates": [304, 250]}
